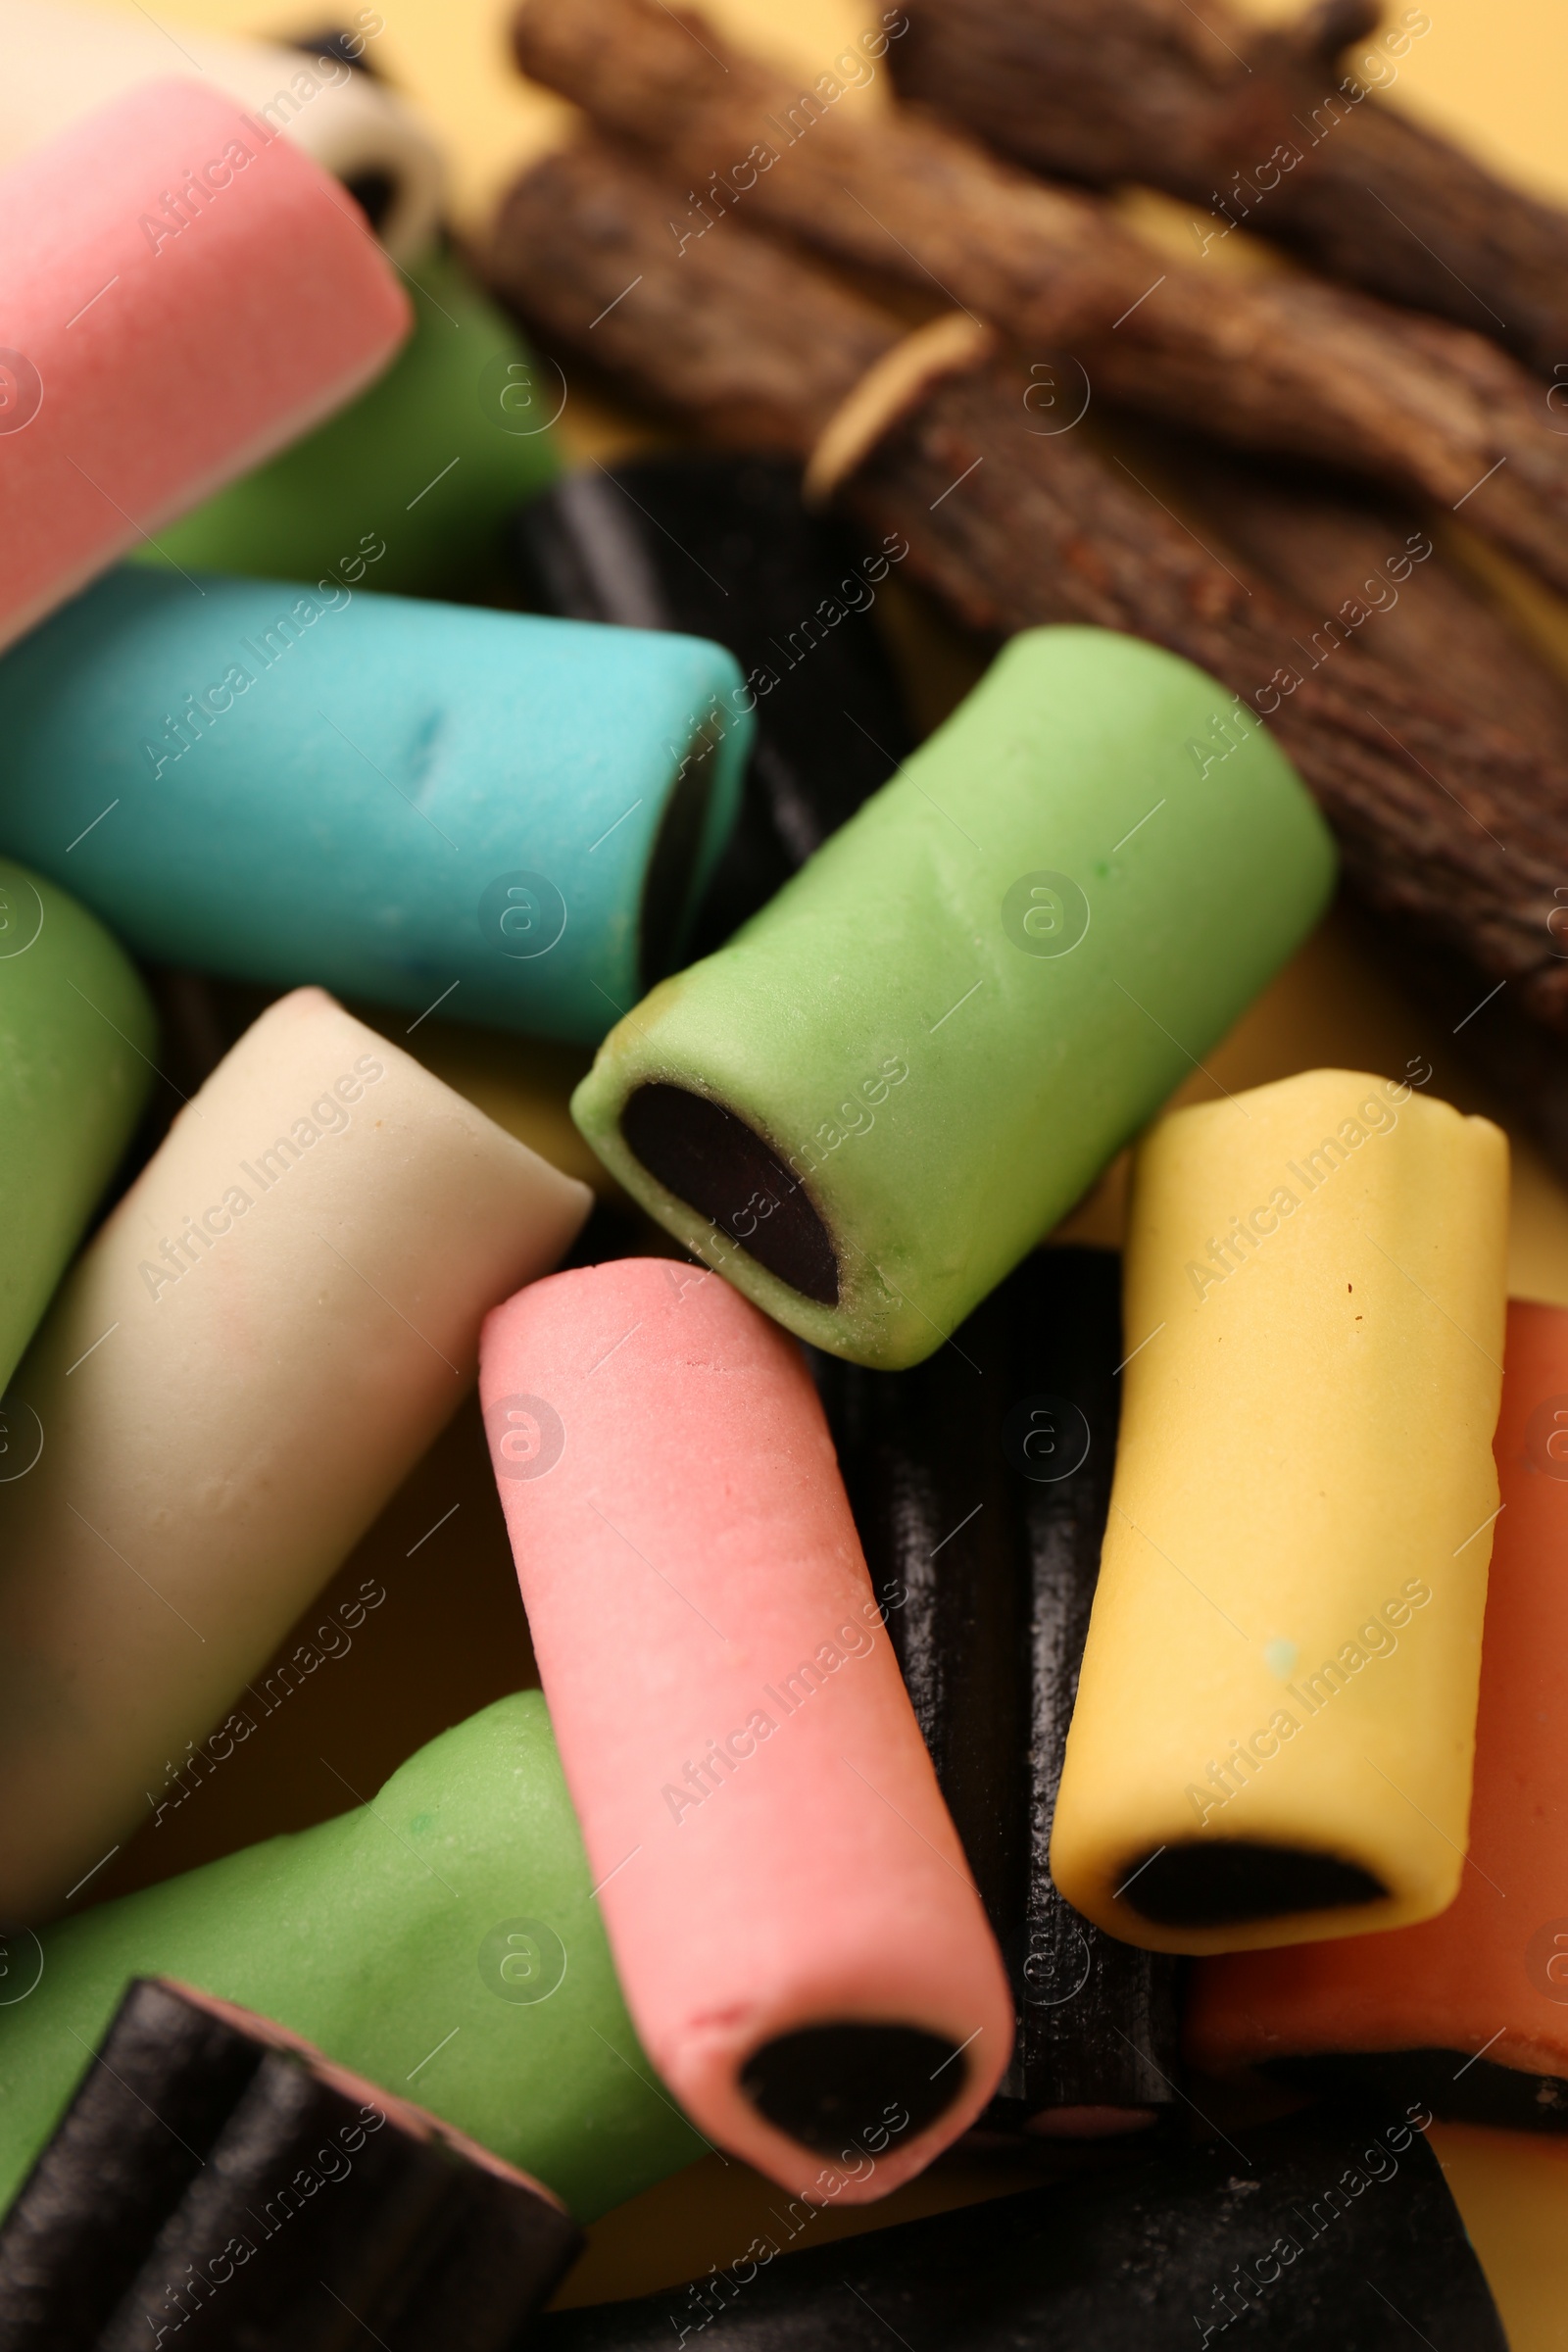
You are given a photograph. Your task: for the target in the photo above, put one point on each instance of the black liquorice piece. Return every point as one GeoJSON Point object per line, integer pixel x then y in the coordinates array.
{"type": "Point", "coordinates": [307, 2208]}
{"type": "Point", "coordinates": [159, 2089]}
{"type": "Point", "coordinates": [1333, 2232]}
{"type": "Point", "coordinates": [980, 1482]}
{"type": "Point", "coordinates": [722, 546]}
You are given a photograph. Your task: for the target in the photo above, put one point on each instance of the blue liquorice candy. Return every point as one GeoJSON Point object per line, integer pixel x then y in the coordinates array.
{"type": "Point", "coordinates": [403, 800]}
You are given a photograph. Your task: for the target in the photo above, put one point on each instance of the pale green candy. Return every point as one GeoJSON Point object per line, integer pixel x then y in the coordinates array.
{"type": "Point", "coordinates": [950, 1020]}
{"type": "Point", "coordinates": [77, 1033]}
{"type": "Point", "coordinates": [441, 1941]}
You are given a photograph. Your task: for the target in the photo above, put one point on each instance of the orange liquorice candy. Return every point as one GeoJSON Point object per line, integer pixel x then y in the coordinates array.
{"type": "Point", "coordinates": [1469, 2010]}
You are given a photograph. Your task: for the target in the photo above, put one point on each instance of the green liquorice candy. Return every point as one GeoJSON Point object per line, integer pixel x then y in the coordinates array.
{"type": "Point", "coordinates": [409, 490]}
{"type": "Point", "coordinates": [77, 1032]}
{"type": "Point", "coordinates": [908, 1067]}
{"type": "Point", "coordinates": [442, 1940]}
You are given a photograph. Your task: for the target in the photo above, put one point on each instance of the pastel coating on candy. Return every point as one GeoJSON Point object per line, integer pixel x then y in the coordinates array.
{"type": "Point", "coordinates": [193, 2144]}
{"type": "Point", "coordinates": [910, 1065]}
{"type": "Point", "coordinates": [347, 1935]}
{"type": "Point", "coordinates": [751, 1780]}
{"type": "Point", "coordinates": [979, 1483]}
{"type": "Point", "coordinates": [63, 60]}
{"type": "Point", "coordinates": [407, 491]}
{"type": "Point", "coordinates": [1473, 2003]}
{"type": "Point", "coordinates": [1276, 1712]}
{"type": "Point", "coordinates": [277, 1319]}
{"type": "Point", "coordinates": [150, 252]}
{"type": "Point", "coordinates": [406, 802]}
{"type": "Point", "coordinates": [78, 1034]}
{"type": "Point", "coordinates": [1336, 2216]}
{"type": "Point", "coordinates": [720, 544]}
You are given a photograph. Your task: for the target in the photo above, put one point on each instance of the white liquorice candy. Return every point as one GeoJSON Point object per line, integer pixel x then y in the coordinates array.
{"type": "Point", "coordinates": [277, 1320]}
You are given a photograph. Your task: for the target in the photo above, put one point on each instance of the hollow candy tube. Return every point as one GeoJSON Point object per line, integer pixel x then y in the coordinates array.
{"type": "Point", "coordinates": [275, 1321]}
{"type": "Point", "coordinates": [753, 1787]}
{"type": "Point", "coordinates": [1470, 2010]}
{"type": "Point", "coordinates": [77, 1035]}
{"type": "Point", "coordinates": [445, 1931]}
{"type": "Point", "coordinates": [906, 1068]}
{"type": "Point", "coordinates": [181, 292]}
{"type": "Point", "coordinates": [1276, 1714]}
{"type": "Point", "coordinates": [426, 805]}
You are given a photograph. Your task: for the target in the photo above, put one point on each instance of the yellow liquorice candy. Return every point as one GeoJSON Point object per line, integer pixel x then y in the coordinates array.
{"type": "Point", "coordinates": [1276, 1713]}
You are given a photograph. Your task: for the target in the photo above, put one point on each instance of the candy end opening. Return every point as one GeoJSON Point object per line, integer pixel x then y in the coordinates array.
{"type": "Point", "coordinates": [831, 2086]}
{"type": "Point", "coordinates": [722, 1167]}
{"type": "Point", "coordinates": [1224, 1883]}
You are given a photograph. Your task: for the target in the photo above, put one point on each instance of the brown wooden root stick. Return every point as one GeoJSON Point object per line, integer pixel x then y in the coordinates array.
{"type": "Point", "coordinates": [1446, 823]}
{"type": "Point", "coordinates": [1291, 364]}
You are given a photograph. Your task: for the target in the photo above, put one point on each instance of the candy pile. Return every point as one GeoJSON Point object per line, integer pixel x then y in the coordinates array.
{"type": "Point", "coordinates": [947, 1631]}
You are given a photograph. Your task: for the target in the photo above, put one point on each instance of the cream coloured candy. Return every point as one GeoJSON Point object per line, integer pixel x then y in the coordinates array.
{"type": "Point", "coordinates": [181, 292]}
{"type": "Point", "coordinates": [801, 1945]}
{"type": "Point", "coordinates": [1276, 1712]}
{"type": "Point", "coordinates": [63, 60]}
{"type": "Point", "coordinates": [274, 1322]}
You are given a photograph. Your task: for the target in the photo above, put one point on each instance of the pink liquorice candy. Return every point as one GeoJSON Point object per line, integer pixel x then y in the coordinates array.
{"type": "Point", "coordinates": [181, 293]}
{"type": "Point", "coordinates": [798, 1936]}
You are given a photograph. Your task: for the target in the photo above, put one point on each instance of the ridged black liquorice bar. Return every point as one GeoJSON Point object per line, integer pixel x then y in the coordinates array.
{"type": "Point", "coordinates": [160, 2087]}
{"type": "Point", "coordinates": [231, 2188]}
{"type": "Point", "coordinates": [721, 546]}
{"type": "Point", "coordinates": [1331, 2233]}
{"type": "Point", "coordinates": [980, 1482]}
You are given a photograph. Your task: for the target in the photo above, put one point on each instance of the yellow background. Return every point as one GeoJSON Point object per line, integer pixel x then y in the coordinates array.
{"type": "Point", "coordinates": [1491, 71]}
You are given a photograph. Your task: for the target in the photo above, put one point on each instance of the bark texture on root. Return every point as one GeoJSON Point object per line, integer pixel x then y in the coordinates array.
{"type": "Point", "coordinates": [1319, 545]}
{"type": "Point", "coordinates": [1443, 820]}
{"type": "Point", "coordinates": [1448, 823]}
{"type": "Point", "coordinates": [1280, 130]}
